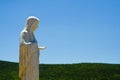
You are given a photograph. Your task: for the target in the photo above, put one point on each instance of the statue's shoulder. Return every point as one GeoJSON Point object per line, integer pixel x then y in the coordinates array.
{"type": "Point", "coordinates": [23, 36]}
{"type": "Point", "coordinates": [24, 32]}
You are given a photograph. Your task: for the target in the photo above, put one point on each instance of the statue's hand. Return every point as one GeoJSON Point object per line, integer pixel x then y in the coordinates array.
{"type": "Point", "coordinates": [42, 48]}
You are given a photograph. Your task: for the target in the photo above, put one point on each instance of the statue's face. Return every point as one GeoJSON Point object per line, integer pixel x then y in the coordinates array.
{"type": "Point", "coordinates": [32, 23]}
{"type": "Point", "coordinates": [34, 26]}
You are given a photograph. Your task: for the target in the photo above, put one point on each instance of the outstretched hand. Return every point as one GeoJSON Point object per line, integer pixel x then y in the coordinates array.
{"type": "Point", "coordinates": [42, 48]}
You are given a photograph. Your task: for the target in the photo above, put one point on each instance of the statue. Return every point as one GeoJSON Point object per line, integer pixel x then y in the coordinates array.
{"type": "Point", "coordinates": [29, 51]}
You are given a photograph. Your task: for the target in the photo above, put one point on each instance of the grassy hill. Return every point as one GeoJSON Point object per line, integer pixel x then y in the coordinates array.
{"type": "Point", "coordinates": [83, 71]}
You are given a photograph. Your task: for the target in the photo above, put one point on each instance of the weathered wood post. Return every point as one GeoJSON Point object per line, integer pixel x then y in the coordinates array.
{"type": "Point", "coordinates": [29, 51]}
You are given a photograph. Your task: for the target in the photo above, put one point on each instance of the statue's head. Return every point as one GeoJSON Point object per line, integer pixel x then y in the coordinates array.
{"type": "Point", "coordinates": [32, 23]}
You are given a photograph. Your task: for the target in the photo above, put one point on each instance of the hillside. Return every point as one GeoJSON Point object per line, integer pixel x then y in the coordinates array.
{"type": "Point", "coordinates": [83, 71]}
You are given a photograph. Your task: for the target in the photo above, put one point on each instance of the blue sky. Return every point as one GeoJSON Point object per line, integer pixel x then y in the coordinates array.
{"type": "Point", "coordinates": [74, 31]}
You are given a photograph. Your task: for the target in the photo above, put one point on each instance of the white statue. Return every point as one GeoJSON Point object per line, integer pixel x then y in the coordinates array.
{"type": "Point", "coordinates": [29, 51]}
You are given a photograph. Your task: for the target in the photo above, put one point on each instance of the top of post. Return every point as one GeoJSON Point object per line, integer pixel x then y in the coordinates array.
{"type": "Point", "coordinates": [33, 17]}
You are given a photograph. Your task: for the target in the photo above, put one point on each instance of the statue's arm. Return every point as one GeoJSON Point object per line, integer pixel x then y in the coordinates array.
{"type": "Point", "coordinates": [27, 43]}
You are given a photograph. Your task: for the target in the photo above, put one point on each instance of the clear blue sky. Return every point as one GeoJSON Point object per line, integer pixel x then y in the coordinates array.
{"type": "Point", "coordinates": [74, 31]}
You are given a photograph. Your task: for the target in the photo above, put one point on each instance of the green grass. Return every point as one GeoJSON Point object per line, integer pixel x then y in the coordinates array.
{"type": "Point", "coordinates": [82, 71]}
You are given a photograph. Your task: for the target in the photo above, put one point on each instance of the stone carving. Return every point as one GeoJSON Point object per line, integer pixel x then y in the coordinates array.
{"type": "Point", "coordinates": [29, 51]}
